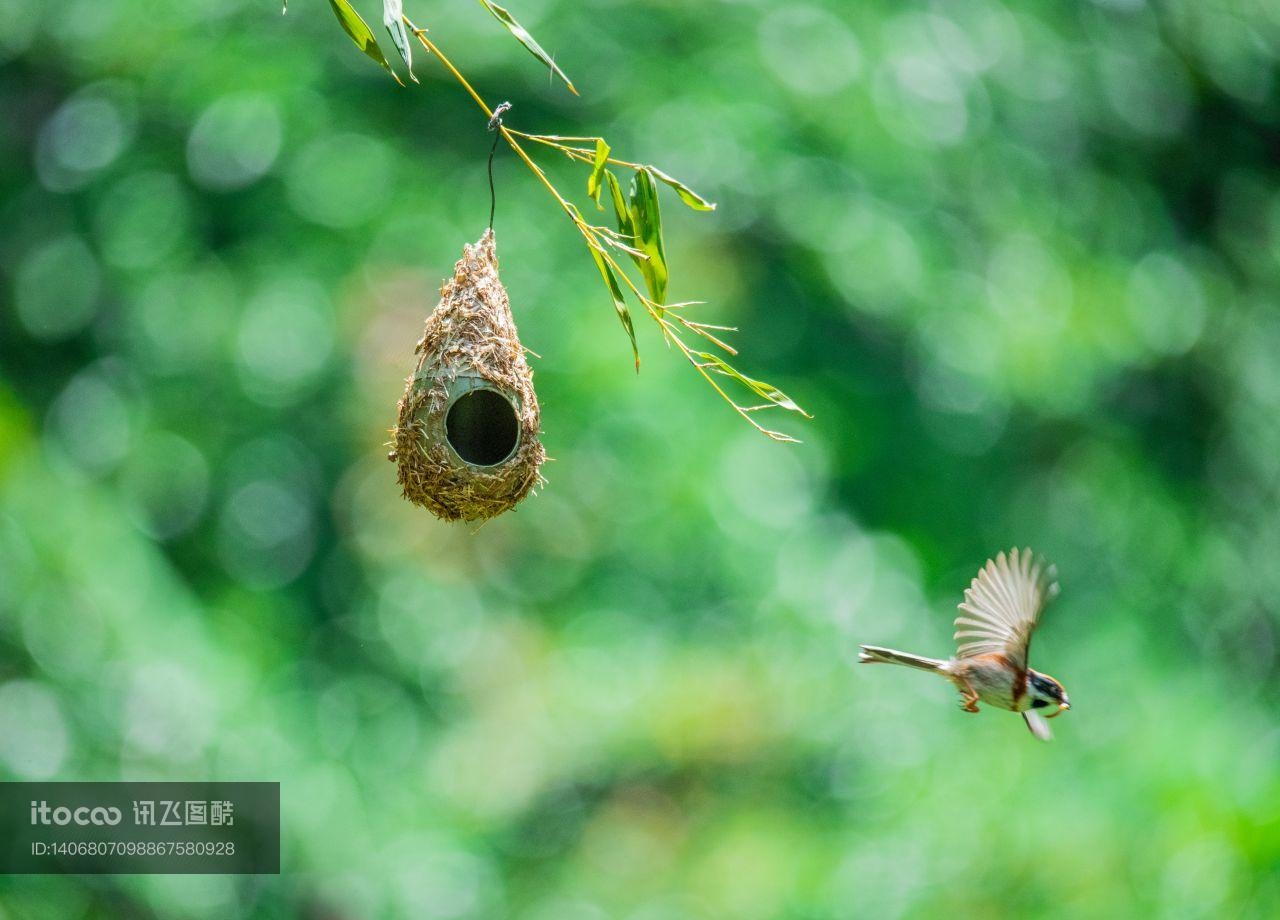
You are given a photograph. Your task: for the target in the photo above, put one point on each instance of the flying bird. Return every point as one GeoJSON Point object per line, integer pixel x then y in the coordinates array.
{"type": "Point", "coordinates": [1000, 611]}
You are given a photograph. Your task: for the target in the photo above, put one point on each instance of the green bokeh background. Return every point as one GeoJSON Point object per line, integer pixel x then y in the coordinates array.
{"type": "Point", "coordinates": [1020, 261]}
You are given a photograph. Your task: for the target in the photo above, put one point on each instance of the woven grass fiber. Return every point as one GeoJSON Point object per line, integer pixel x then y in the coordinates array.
{"type": "Point", "coordinates": [470, 342]}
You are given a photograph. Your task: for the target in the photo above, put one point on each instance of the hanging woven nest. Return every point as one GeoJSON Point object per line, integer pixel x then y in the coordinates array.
{"type": "Point", "coordinates": [466, 441]}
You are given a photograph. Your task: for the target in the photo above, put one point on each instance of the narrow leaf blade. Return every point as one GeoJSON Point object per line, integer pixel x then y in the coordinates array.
{"type": "Point", "coordinates": [619, 304]}
{"type": "Point", "coordinates": [687, 195]}
{"type": "Point", "coordinates": [360, 33]}
{"type": "Point", "coordinates": [646, 220]}
{"type": "Point", "coordinates": [764, 390]}
{"type": "Point", "coordinates": [619, 205]}
{"type": "Point", "coordinates": [597, 171]}
{"type": "Point", "coordinates": [523, 37]}
{"type": "Point", "coordinates": [393, 19]}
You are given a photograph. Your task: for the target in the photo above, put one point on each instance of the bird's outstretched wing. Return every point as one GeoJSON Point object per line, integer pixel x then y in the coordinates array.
{"type": "Point", "coordinates": [1038, 724]}
{"type": "Point", "coordinates": [1003, 604]}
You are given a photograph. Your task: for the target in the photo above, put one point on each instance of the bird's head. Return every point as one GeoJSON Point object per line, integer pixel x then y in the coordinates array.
{"type": "Point", "coordinates": [1045, 691]}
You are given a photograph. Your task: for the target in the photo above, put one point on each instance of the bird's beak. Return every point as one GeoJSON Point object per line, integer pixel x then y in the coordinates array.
{"type": "Point", "coordinates": [1062, 707]}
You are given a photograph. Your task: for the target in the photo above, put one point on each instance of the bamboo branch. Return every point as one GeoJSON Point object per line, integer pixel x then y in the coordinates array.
{"type": "Point", "coordinates": [601, 240]}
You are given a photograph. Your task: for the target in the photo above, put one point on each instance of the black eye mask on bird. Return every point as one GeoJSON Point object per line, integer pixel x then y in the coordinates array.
{"type": "Point", "coordinates": [1048, 692]}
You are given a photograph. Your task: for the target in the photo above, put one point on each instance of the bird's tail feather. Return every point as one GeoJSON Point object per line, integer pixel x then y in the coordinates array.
{"type": "Point", "coordinates": [871, 654]}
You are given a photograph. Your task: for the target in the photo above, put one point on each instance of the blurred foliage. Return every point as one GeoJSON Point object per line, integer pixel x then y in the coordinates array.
{"type": "Point", "coordinates": [1020, 260]}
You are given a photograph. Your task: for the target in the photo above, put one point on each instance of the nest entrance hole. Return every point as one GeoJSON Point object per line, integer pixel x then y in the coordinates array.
{"type": "Point", "coordinates": [482, 427]}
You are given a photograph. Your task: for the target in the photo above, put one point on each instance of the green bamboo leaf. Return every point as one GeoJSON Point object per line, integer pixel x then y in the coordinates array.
{"type": "Point", "coordinates": [653, 265]}
{"type": "Point", "coordinates": [597, 171]}
{"type": "Point", "coordinates": [646, 221]}
{"type": "Point", "coordinates": [361, 34]}
{"type": "Point", "coordinates": [619, 205]}
{"type": "Point", "coordinates": [523, 37]}
{"type": "Point", "coordinates": [393, 19]}
{"type": "Point", "coordinates": [619, 303]}
{"type": "Point", "coordinates": [687, 195]}
{"type": "Point", "coordinates": [764, 390]}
